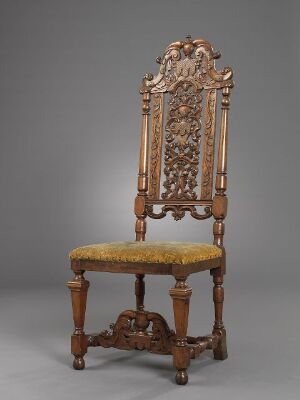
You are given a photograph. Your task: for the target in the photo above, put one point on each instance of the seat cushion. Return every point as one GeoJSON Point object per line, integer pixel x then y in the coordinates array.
{"type": "Point", "coordinates": [147, 252]}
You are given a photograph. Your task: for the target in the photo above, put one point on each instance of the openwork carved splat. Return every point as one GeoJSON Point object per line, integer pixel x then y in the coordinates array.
{"type": "Point", "coordinates": [182, 146]}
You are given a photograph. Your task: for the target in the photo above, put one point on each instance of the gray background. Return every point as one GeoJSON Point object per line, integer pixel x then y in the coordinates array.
{"type": "Point", "coordinates": [69, 126]}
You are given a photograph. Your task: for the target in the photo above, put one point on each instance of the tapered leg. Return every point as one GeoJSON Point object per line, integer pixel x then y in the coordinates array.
{"type": "Point", "coordinates": [181, 294]}
{"type": "Point", "coordinates": [140, 291]}
{"type": "Point", "coordinates": [79, 287]}
{"type": "Point", "coordinates": [220, 352]}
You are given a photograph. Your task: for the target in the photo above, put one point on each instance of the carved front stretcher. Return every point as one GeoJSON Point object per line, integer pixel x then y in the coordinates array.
{"type": "Point", "coordinates": [131, 332]}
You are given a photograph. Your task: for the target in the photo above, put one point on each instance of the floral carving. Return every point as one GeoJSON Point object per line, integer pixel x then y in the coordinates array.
{"type": "Point", "coordinates": [156, 144]}
{"type": "Point", "coordinates": [208, 145]}
{"type": "Point", "coordinates": [182, 145]}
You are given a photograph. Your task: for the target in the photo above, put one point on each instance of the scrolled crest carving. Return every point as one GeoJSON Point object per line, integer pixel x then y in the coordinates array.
{"type": "Point", "coordinates": [188, 59]}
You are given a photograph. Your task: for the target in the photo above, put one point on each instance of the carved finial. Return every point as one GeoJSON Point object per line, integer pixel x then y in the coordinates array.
{"type": "Point", "coordinates": [188, 46]}
{"type": "Point", "coordinates": [148, 77]}
{"type": "Point", "coordinates": [146, 83]}
{"type": "Point", "coordinates": [216, 55]}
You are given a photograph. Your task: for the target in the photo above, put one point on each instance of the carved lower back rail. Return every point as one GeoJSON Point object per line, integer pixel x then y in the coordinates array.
{"type": "Point", "coordinates": [130, 332]}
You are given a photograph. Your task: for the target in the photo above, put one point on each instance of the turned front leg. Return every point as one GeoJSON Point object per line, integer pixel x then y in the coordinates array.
{"type": "Point", "coordinates": [79, 287]}
{"type": "Point", "coordinates": [181, 294]}
{"type": "Point", "coordinates": [220, 352]}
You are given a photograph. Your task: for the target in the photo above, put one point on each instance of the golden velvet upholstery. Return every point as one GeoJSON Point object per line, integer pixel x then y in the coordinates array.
{"type": "Point", "coordinates": [147, 252]}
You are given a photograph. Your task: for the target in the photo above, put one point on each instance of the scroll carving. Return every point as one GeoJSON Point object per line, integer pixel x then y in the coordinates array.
{"type": "Point", "coordinates": [178, 211]}
{"type": "Point", "coordinates": [198, 65]}
{"type": "Point", "coordinates": [126, 335]}
{"type": "Point", "coordinates": [208, 145]}
{"type": "Point", "coordinates": [182, 145]}
{"type": "Point", "coordinates": [156, 145]}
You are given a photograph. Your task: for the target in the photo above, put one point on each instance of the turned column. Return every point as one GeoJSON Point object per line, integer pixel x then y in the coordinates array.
{"type": "Point", "coordinates": [79, 287]}
{"type": "Point", "coordinates": [139, 208]}
{"type": "Point", "coordinates": [219, 211]}
{"type": "Point", "coordinates": [181, 294]}
{"type": "Point", "coordinates": [220, 352]}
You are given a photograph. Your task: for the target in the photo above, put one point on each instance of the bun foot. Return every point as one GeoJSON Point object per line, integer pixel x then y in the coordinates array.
{"type": "Point", "coordinates": [78, 363]}
{"type": "Point", "coordinates": [181, 377]}
{"type": "Point", "coordinates": [220, 355]}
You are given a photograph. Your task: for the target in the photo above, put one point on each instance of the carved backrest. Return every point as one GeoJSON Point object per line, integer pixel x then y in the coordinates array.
{"type": "Point", "coordinates": [178, 143]}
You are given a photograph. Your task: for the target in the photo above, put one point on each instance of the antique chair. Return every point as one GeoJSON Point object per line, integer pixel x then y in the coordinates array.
{"type": "Point", "coordinates": [183, 100]}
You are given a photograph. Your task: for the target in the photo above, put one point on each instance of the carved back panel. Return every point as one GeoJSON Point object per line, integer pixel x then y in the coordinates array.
{"type": "Point", "coordinates": [178, 147]}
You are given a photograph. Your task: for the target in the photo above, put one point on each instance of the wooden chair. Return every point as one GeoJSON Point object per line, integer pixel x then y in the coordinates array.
{"type": "Point", "coordinates": [182, 138]}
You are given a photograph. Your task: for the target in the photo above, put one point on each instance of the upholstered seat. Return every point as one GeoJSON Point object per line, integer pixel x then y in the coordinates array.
{"type": "Point", "coordinates": [147, 252]}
